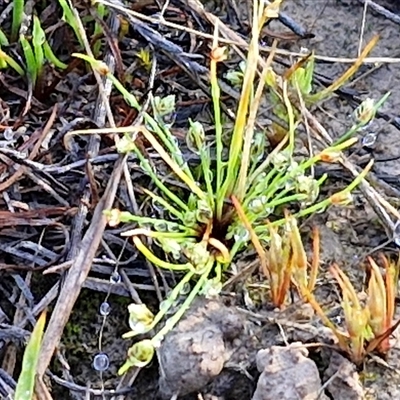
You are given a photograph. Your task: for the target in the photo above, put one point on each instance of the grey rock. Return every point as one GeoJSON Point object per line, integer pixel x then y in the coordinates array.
{"type": "Point", "coordinates": [287, 374]}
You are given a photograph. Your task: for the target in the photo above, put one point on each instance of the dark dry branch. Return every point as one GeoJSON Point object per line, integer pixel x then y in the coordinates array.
{"type": "Point", "coordinates": [88, 391]}
{"type": "Point", "coordinates": [381, 10]}
{"type": "Point", "coordinates": [38, 140]}
{"type": "Point", "coordinates": [7, 383]}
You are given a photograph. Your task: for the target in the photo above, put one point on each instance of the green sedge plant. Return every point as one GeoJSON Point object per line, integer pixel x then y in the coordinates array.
{"type": "Point", "coordinates": [229, 197]}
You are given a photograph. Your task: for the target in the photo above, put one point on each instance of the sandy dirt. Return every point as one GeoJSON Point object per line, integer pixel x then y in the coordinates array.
{"type": "Point", "coordinates": [337, 29]}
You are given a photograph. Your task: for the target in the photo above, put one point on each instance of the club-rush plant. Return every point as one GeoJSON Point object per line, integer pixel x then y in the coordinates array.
{"type": "Point", "coordinates": [367, 324]}
{"type": "Point", "coordinates": [233, 200]}
{"type": "Point", "coordinates": [286, 260]}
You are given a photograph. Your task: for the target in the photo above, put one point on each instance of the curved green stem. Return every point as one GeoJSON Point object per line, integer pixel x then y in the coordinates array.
{"type": "Point", "coordinates": [171, 322]}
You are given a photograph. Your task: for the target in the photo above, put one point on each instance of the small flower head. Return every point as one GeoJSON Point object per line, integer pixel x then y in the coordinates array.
{"type": "Point", "coordinates": [139, 355]}
{"type": "Point", "coordinates": [343, 198]}
{"type": "Point", "coordinates": [365, 112]}
{"type": "Point", "coordinates": [330, 156]}
{"type": "Point", "coordinates": [113, 217]}
{"type": "Point", "coordinates": [140, 320]}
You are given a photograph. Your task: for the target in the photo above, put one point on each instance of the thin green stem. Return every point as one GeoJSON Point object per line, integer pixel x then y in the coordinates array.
{"type": "Point", "coordinates": [17, 15]}
{"type": "Point", "coordinates": [327, 202]}
{"type": "Point", "coordinates": [265, 163]}
{"type": "Point", "coordinates": [242, 184]}
{"type": "Point", "coordinates": [50, 56]}
{"type": "Point", "coordinates": [10, 61]}
{"type": "Point", "coordinates": [286, 200]}
{"type": "Point", "coordinates": [236, 146]}
{"type": "Point", "coordinates": [167, 206]}
{"type": "Point", "coordinates": [290, 115]}
{"type": "Point", "coordinates": [180, 237]}
{"type": "Point", "coordinates": [215, 94]}
{"type": "Point", "coordinates": [169, 143]}
{"type": "Point", "coordinates": [355, 128]}
{"type": "Point", "coordinates": [207, 176]}
{"type": "Point", "coordinates": [188, 180]}
{"type": "Point", "coordinates": [157, 261]}
{"type": "Point", "coordinates": [171, 322]}
{"type": "Point", "coordinates": [128, 217]}
{"type": "Point", "coordinates": [169, 302]}
{"type": "Point", "coordinates": [146, 166]}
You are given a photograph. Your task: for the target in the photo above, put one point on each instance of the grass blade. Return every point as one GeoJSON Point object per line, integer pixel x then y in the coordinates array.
{"type": "Point", "coordinates": [30, 59]}
{"type": "Point", "coordinates": [323, 94]}
{"type": "Point", "coordinates": [18, 12]}
{"type": "Point", "coordinates": [26, 381]}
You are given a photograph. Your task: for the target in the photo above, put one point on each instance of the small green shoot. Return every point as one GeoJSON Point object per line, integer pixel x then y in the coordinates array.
{"type": "Point", "coordinates": [38, 39]}
{"type": "Point", "coordinates": [7, 61]}
{"type": "Point", "coordinates": [26, 381]}
{"type": "Point", "coordinates": [145, 58]}
{"type": "Point", "coordinates": [37, 53]}
{"type": "Point", "coordinates": [356, 317]}
{"type": "Point", "coordinates": [70, 19]}
{"type": "Point", "coordinates": [382, 301]}
{"type": "Point", "coordinates": [98, 30]}
{"type": "Point", "coordinates": [3, 39]}
{"type": "Point", "coordinates": [31, 66]}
